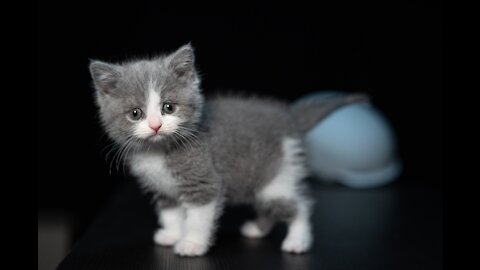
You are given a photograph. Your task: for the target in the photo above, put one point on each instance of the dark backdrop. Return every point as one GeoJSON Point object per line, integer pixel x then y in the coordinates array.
{"type": "Point", "coordinates": [392, 52]}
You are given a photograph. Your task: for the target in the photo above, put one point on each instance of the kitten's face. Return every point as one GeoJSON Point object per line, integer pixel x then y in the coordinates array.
{"type": "Point", "coordinates": [148, 100]}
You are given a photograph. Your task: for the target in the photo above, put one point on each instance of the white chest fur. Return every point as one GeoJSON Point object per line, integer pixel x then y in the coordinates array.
{"type": "Point", "coordinates": [153, 173]}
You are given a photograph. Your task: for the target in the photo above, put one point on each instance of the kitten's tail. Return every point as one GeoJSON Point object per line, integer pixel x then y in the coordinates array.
{"type": "Point", "coordinates": [308, 112]}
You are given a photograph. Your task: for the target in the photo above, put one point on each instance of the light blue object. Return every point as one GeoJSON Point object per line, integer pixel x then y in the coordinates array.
{"type": "Point", "coordinates": [354, 146]}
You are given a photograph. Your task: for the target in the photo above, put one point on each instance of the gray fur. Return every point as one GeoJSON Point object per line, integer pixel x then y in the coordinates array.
{"type": "Point", "coordinates": [163, 201]}
{"type": "Point", "coordinates": [245, 137]}
{"type": "Point", "coordinates": [234, 145]}
{"type": "Point", "coordinates": [198, 181]}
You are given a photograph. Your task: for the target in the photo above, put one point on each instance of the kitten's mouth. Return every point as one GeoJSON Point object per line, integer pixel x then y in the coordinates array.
{"type": "Point", "coordinates": [156, 137]}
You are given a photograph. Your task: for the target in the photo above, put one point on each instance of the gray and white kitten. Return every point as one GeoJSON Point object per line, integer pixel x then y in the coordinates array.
{"type": "Point", "coordinates": [197, 155]}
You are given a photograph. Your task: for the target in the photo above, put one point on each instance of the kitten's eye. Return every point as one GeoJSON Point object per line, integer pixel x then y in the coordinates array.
{"type": "Point", "coordinates": [168, 108]}
{"type": "Point", "coordinates": [135, 114]}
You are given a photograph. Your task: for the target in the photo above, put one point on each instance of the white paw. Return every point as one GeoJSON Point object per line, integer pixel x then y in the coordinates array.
{"type": "Point", "coordinates": [189, 248]}
{"type": "Point", "coordinates": [250, 229]}
{"type": "Point", "coordinates": [296, 245]}
{"type": "Point", "coordinates": [166, 237]}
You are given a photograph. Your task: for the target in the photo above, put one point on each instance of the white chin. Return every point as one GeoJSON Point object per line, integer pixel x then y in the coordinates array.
{"type": "Point", "coordinates": [156, 138]}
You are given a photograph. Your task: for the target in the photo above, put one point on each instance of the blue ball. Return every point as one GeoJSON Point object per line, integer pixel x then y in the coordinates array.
{"type": "Point", "coordinates": [354, 145]}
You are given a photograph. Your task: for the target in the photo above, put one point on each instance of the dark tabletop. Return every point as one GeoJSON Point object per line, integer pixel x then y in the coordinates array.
{"type": "Point", "coordinates": [393, 227]}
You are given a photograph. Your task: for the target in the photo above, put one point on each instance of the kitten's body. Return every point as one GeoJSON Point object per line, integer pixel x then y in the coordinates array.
{"type": "Point", "coordinates": [245, 152]}
{"type": "Point", "coordinates": [205, 154]}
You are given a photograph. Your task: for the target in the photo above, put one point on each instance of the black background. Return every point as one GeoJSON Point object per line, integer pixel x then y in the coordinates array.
{"type": "Point", "coordinates": [391, 51]}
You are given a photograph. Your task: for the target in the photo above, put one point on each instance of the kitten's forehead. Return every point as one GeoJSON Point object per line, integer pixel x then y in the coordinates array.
{"type": "Point", "coordinates": [143, 76]}
{"type": "Point", "coordinates": [140, 68]}
{"type": "Point", "coordinates": [140, 77]}
{"type": "Point", "coordinates": [146, 72]}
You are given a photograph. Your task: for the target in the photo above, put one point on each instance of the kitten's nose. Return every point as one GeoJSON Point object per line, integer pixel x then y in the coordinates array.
{"type": "Point", "coordinates": [155, 127]}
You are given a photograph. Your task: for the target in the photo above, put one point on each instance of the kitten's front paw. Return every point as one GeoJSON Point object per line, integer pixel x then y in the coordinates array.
{"type": "Point", "coordinates": [189, 248]}
{"type": "Point", "coordinates": [250, 229]}
{"type": "Point", "coordinates": [166, 237]}
{"type": "Point", "coordinates": [296, 245]}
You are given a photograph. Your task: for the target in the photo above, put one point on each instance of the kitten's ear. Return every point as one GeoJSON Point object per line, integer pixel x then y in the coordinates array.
{"type": "Point", "coordinates": [183, 62]}
{"type": "Point", "coordinates": [105, 76]}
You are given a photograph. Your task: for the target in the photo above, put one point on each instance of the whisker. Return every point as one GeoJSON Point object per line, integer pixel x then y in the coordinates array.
{"type": "Point", "coordinates": [124, 151]}
{"type": "Point", "coordinates": [190, 138]}
{"type": "Point", "coordinates": [190, 133]}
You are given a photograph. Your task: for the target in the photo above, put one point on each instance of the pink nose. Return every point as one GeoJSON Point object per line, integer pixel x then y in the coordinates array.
{"type": "Point", "coordinates": [155, 127]}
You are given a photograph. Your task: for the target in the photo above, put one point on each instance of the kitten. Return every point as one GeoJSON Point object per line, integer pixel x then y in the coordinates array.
{"type": "Point", "coordinates": [197, 155]}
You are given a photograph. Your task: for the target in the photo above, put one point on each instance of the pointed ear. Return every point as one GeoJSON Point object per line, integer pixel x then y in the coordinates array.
{"type": "Point", "coordinates": [182, 62]}
{"type": "Point", "coordinates": [105, 76]}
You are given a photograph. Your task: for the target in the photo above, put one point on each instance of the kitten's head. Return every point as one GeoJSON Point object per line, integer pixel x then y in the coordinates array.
{"type": "Point", "coordinates": [148, 100]}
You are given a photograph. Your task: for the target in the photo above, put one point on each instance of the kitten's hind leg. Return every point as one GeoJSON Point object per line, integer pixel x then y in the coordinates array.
{"type": "Point", "coordinates": [284, 198]}
{"type": "Point", "coordinates": [269, 211]}
{"type": "Point", "coordinates": [295, 211]}
{"type": "Point", "coordinates": [299, 237]}
{"type": "Point", "coordinates": [257, 228]}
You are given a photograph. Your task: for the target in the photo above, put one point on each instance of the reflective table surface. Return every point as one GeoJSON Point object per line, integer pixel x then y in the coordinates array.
{"type": "Point", "coordinates": [393, 227]}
